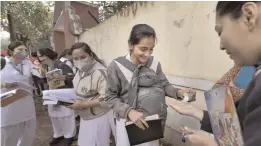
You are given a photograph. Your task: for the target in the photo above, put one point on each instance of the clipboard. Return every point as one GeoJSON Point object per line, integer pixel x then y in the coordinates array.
{"type": "Point", "coordinates": [64, 103]}
{"type": "Point", "coordinates": [12, 96]}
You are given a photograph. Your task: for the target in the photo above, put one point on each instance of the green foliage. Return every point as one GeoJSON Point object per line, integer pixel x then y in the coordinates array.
{"type": "Point", "coordinates": [31, 20]}
{"type": "Point", "coordinates": [110, 8]}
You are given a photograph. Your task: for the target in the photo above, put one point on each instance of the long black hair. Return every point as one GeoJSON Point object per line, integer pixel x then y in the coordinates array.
{"type": "Point", "coordinates": [48, 52]}
{"type": "Point", "coordinates": [65, 52]}
{"type": "Point", "coordinates": [87, 49]}
{"type": "Point", "coordinates": [139, 32]}
{"type": "Point", "coordinates": [234, 8]}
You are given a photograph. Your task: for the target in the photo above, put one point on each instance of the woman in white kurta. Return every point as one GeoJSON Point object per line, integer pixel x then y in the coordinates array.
{"type": "Point", "coordinates": [18, 121]}
{"type": "Point", "coordinates": [63, 118]}
{"type": "Point", "coordinates": [89, 84]}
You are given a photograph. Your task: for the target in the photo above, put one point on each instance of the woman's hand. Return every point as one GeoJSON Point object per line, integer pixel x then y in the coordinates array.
{"type": "Point", "coordinates": [78, 105]}
{"type": "Point", "coordinates": [40, 69]}
{"type": "Point", "coordinates": [189, 91]}
{"type": "Point", "coordinates": [187, 109]}
{"type": "Point", "coordinates": [199, 138]}
{"type": "Point", "coordinates": [137, 118]}
{"type": "Point", "coordinates": [60, 78]}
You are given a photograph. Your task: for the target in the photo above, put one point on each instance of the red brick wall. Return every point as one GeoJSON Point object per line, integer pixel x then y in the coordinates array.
{"type": "Point", "coordinates": [69, 38]}
{"type": "Point", "coordinates": [59, 41]}
{"type": "Point", "coordinates": [59, 6]}
{"type": "Point", "coordinates": [82, 12]}
{"type": "Point", "coordinates": [64, 40]}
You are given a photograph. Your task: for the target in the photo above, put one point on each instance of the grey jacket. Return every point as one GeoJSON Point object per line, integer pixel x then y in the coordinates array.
{"type": "Point", "coordinates": [118, 80]}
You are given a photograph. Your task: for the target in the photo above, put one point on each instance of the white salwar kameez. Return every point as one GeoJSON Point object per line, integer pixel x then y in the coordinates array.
{"type": "Point", "coordinates": [122, 136]}
{"type": "Point", "coordinates": [18, 121]}
{"type": "Point", "coordinates": [59, 125]}
{"type": "Point", "coordinates": [95, 132]}
{"type": "Point", "coordinates": [112, 123]}
{"type": "Point", "coordinates": [21, 134]}
{"type": "Point", "coordinates": [63, 118]}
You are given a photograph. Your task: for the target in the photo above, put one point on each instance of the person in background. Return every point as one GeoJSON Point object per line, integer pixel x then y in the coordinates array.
{"type": "Point", "coordinates": [122, 89]}
{"type": "Point", "coordinates": [63, 118]}
{"type": "Point", "coordinates": [3, 62]}
{"type": "Point", "coordinates": [66, 57]}
{"type": "Point", "coordinates": [238, 23]}
{"type": "Point", "coordinates": [4, 53]}
{"type": "Point", "coordinates": [90, 84]}
{"type": "Point", "coordinates": [18, 127]}
{"type": "Point", "coordinates": [33, 57]}
{"type": "Point", "coordinates": [37, 78]}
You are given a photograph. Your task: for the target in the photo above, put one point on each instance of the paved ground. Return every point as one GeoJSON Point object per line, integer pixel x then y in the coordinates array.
{"type": "Point", "coordinates": [44, 127]}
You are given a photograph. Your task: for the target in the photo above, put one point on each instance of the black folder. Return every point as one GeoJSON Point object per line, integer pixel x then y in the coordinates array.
{"type": "Point", "coordinates": [139, 136]}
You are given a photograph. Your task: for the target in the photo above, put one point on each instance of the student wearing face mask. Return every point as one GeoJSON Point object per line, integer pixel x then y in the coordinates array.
{"type": "Point", "coordinates": [149, 91]}
{"type": "Point", "coordinates": [89, 84]}
{"type": "Point", "coordinates": [18, 121]}
{"type": "Point", "coordinates": [63, 118]}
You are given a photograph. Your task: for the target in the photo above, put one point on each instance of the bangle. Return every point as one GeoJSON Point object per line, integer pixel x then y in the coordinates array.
{"type": "Point", "coordinates": [178, 94]}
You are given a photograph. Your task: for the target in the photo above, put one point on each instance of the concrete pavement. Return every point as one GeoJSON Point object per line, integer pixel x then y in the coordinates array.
{"type": "Point", "coordinates": [172, 136]}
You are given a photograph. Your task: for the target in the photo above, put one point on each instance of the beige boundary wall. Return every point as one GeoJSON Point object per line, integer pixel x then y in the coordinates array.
{"type": "Point", "coordinates": [187, 47]}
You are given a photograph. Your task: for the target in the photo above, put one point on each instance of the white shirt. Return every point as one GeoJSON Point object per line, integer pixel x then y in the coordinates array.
{"type": "Point", "coordinates": [57, 110]}
{"type": "Point", "coordinates": [22, 109]}
{"type": "Point", "coordinates": [66, 61]}
{"type": "Point", "coordinates": [69, 64]}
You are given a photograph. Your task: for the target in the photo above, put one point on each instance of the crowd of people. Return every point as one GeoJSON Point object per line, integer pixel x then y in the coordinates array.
{"type": "Point", "coordinates": [132, 87]}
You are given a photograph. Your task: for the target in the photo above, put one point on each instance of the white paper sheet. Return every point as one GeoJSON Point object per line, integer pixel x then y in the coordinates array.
{"type": "Point", "coordinates": [65, 95]}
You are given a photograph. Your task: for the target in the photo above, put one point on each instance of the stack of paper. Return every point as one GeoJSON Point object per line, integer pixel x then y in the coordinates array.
{"type": "Point", "coordinates": [54, 96]}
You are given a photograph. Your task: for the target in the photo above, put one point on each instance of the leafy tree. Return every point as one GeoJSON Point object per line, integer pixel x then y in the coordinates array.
{"type": "Point", "coordinates": [27, 21]}
{"type": "Point", "coordinates": [110, 8]}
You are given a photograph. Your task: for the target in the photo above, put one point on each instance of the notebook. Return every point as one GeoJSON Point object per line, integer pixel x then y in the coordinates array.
{"type": "Point", "coordinates": [139, 136]}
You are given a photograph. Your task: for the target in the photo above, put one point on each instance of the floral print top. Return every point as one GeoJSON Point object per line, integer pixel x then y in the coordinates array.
{"type": "Point", "coordinates": [228, 80]}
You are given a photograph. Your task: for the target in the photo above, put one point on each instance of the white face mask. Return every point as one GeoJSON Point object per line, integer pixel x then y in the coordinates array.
{"type": "Point", "coordinates": [21, 55]}
{"type": "Point", "coordinates": [84, 64]}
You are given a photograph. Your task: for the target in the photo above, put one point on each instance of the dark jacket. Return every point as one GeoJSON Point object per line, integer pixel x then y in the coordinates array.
{"type": "Point", "coordinates": [3, 62]}
{"type": "Point", "coordinates": [67, 71]}
{"type": "Point", "coordinates": [249, 112]}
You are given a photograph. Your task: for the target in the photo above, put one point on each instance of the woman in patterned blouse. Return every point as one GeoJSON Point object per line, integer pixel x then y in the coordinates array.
{"type": "Point", "coordinates": [230, 78]}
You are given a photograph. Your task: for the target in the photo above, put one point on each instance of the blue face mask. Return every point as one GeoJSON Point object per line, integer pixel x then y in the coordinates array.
{"type": "Point", "coordinates": [21, 55]}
